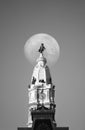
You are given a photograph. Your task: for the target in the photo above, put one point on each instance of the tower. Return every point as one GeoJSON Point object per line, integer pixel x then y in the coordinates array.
{"type": "Point", "coordinates": [41, 93]}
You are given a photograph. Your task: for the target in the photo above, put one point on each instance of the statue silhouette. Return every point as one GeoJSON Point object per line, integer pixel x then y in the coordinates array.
{"type": "Point", "coordinates": [42, 48]}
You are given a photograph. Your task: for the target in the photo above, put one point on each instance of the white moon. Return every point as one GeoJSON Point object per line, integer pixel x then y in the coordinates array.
{"type": "Point", "coordinates": [51, 52]}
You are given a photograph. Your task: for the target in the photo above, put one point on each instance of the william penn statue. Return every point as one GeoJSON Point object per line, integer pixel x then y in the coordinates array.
{"type": "Point", "coordinates": [42, 48]}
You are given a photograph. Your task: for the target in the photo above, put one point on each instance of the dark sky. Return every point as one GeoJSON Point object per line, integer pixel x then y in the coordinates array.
{"type": "Point", "coordinates": [64, 20]}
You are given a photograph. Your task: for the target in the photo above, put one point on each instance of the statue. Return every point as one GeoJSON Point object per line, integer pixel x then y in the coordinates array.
{"type": "Point", "coordinates": [42, 48]}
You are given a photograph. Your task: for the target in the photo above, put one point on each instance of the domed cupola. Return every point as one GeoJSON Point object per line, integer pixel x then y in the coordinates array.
{"type": "Point", "coordinates": [41, 72]}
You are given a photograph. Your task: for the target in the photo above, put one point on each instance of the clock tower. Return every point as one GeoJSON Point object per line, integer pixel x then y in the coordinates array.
{"type": "Point", "coordinates": [41, 93]}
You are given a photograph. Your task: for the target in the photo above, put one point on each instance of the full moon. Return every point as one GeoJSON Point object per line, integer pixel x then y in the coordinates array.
{"type": "Point", "coordinates": [51, 53]}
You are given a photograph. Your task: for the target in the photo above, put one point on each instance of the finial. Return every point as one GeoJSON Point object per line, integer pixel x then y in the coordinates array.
{"type": "Point", "coordinates": [42, 48]}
